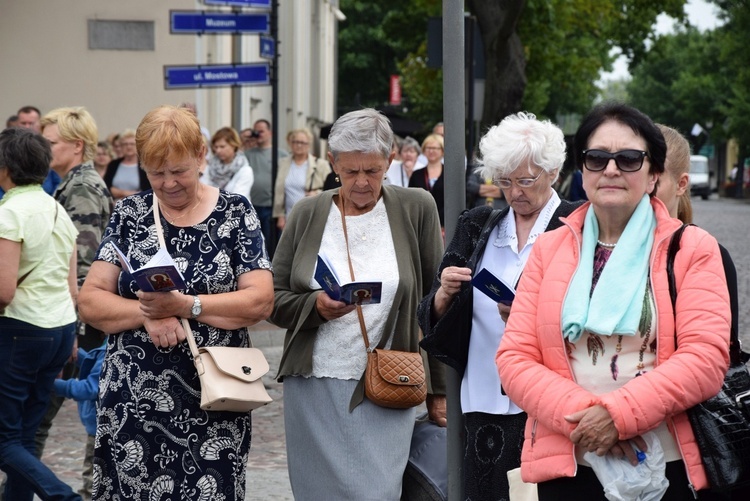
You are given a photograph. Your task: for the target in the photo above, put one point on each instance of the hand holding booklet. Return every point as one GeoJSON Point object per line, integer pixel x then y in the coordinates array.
{"type": "Point", "coordinates": [493, 287]}
{"type": "Point", "coordinates": [351, 293]}
{"type": "Point", "coordinates": [160, 274]}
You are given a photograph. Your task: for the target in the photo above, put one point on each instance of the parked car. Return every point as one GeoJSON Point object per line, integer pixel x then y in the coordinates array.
{"type": "Point", "coordinates": [699, 176]}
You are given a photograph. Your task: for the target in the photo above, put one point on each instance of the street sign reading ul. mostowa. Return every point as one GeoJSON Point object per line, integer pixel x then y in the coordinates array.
{"type": "Point", "coordinates": [216, 75]}
{"type": "Point", "coordinates": [260, 4]}
{"type": "Point", "coordinates": [196, 21]}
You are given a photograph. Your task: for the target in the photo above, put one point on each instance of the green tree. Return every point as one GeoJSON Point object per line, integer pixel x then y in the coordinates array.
{"type": "Point", "coordinates": [735, 60]}
{"type": "Point", "coordinates": [681, 81]}
{"type": "Point", "coordinates": [373, 39]}
{"type": "Point", "coordinates": [564, 45]}
{"type": "Point", "coordinates": [422, 86]}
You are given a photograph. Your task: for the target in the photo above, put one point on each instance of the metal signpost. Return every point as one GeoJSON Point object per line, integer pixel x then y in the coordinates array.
{"type": "Point", "coordinates": [216, 75]}
{"type": "Point", "coordinates": [454, 92]}
{"type": "Point", "coordinates": [199, 21]}
{"type": "Point", "coordinates": [235, 23]}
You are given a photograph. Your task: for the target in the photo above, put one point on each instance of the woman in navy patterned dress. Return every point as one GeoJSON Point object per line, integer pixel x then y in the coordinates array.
{"type": "Point", "coordinates": [153, 440]}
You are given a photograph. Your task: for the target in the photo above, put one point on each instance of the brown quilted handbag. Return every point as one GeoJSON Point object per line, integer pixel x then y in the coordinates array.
{"type": "Point", "coordinates": [395, 379]}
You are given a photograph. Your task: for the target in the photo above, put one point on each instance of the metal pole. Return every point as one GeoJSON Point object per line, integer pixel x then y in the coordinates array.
{"type": "Point", "coordinates": [236, 89]}
{"type": "Point", "coordinates": [454, 116]}
{"type": "Point", "coordinates": [274, 112]}
{"type": "Point", "coordinates": [471, 24]}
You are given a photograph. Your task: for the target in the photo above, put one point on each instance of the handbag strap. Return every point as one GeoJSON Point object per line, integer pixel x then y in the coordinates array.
{"type": "Point", "coordinates": [735, 354]}
{"type": "Point", "coordinates": [361, 316]}
{"type": "Point", "coordinates": [184, 321]}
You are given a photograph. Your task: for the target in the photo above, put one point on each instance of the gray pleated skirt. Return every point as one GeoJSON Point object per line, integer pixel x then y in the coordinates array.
{"type": "Point", "coordinates": [337, 455]}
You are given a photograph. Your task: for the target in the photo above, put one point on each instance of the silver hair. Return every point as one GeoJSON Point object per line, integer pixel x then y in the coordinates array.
{"type": "Point", "coordinates": [521, 140]}
{"type": "Point", "coordinates": [363, 131]}
{"type": "Point", "coordinates": [411, 143]}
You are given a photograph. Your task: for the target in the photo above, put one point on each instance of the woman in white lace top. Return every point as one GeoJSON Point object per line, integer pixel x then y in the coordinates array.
{"type": "Point", "coordinates": [360, 450]}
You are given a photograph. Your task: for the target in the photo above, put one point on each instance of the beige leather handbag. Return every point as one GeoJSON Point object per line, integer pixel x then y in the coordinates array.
{"type": "Point", "coordinates": [230, 377]}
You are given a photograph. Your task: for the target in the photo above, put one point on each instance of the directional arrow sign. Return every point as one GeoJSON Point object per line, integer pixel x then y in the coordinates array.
{"type": "Point", "coordinates": [216, 75]}
{"type": "Point", "coordinates": [197, 21]}
{"type": "Point", "coordinates": [261, 4]}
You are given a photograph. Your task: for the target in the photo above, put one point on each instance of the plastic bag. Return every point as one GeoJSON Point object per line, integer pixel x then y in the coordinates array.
{"type": "Point", "coordinates": [624, 482]}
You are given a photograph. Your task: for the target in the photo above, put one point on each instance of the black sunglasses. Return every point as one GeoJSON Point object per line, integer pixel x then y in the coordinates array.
{"type": "Point", "coordinates": [625, 160]}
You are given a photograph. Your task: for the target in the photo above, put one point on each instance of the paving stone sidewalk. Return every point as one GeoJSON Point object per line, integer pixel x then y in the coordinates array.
{"type": "Point", "coordinates": [267, 476]}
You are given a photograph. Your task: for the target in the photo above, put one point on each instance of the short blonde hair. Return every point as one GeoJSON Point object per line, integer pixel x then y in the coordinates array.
{"type": "Point", "coordinates": [434, 138]}
{"type": "Point", "coordinates": [75, 124]}
{"type": "Point", "coordinates": [168, 132]}
{"type": "Point", "coordinates": [304, 131]}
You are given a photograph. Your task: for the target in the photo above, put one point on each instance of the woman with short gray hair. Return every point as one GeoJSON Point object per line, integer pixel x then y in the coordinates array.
{"type": "Point", "coordinates": [400, 171]}
{"type": "Point", "coordinates": [387, 234]}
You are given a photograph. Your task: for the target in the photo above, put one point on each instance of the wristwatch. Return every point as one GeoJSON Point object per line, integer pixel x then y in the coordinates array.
{"type": "Point", "coordinates": [196, 309]}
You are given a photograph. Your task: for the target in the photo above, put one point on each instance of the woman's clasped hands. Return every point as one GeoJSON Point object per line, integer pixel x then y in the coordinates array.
{"type": "Point", "coordinates": [161, 312]}
{"type": "Point", "coordinates": [595, 431]}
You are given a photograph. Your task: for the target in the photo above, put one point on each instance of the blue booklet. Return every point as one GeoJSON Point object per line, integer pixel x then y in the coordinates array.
{"type": "Point", "coordinates": [493, 287]}
{"type": "Point", "coordinates": [351, 293]}
{"type": "Point", "coordinates": [160, 274]}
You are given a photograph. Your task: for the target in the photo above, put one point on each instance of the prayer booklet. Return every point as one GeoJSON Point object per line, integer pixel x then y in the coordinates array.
{"type": "Point", "coordinates": [160, 274]}
{"type": "Point", "coordinates": [352, 293]}
{"type": "Point", "coordinates": [493, 287]}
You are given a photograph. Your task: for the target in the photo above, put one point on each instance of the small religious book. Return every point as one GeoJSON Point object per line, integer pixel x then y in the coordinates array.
{"type": "Point", "coordinates": [160, 274]}
{"type": "Point", "coordinates": [493, 287]}
{"type": "Point", "coordinates": [351, 293]}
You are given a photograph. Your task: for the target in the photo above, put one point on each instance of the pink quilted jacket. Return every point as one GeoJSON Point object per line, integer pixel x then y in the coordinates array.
{"type": "Point", "coordinates": [536, 374]}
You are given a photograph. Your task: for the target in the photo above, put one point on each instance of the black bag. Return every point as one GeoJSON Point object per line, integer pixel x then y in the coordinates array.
{"type": "Point", "coordinates": [426, 474]}
{"type": "Point", "coordinates": [721, 424]}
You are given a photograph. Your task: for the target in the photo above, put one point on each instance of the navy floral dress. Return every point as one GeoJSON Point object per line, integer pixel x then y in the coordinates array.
{"type": "Point", "coordinates": [153, 441]}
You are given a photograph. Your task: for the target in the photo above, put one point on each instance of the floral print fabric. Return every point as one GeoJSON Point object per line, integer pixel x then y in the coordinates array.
{"type": "Point", "coordinates": [153, 440]}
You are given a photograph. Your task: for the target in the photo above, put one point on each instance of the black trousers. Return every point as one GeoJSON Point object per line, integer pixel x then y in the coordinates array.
{"type": "Point", "coordinates": [492, 447]}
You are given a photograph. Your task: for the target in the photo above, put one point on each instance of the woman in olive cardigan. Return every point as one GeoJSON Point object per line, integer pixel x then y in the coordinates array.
{"type": "Point", "coordinates": [384, 233]}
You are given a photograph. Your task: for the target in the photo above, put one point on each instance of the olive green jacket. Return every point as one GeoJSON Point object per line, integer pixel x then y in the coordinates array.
{"type": "Point", "coordinates": [418, 243]}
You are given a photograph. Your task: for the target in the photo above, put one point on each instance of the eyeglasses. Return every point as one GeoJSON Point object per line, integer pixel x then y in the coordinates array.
{"type": "Point", "coordinates": [521, 182]}
{"type": "Point", "coordinates": [625, 160]}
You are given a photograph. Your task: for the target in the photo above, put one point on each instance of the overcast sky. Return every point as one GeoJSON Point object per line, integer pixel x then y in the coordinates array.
{"type": "Point", "coordinates": [701, 14]}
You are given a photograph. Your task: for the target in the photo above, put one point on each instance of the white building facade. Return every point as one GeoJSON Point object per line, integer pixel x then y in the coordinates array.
{"type": "Point", "coordinates": [109, 56]}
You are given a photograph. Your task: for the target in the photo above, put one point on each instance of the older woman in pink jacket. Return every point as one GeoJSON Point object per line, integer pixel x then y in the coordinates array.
{"type": "Point", "coordinates": [590, 351]}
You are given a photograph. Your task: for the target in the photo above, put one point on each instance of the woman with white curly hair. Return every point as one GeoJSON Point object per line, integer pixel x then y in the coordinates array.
{"type": "Point", "coordinates": [523, 156]}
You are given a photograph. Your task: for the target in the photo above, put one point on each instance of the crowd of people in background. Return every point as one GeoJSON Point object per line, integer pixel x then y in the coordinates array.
{"type": "Point", "coordinates": [373, 203]}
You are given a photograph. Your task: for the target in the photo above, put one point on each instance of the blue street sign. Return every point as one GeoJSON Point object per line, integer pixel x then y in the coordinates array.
{"type": "Point", "coordinates": [267, 47]}
{"type": "Point", "coordinates": [197, 21]}
{"type": "Point", "coordinates": [261, 4]}
{"type": "Point", "coordinates": [216, 75]}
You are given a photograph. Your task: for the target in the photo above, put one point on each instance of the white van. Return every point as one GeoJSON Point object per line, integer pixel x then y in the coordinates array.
{"type": "Point", "coordinates": [699, 176]}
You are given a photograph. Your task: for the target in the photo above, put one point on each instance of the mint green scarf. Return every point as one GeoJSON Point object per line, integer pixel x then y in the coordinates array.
{"type": "Point", "coordinates": [617, 301]}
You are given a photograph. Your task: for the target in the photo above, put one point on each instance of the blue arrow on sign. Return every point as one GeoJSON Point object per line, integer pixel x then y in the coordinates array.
{"type": "Point", "coordinates": [216, 75]}
{"type": "Point", "coordinates": [196, 21]}
{"type": "Point", "coordinates": [267, 47]}
{"type": "Point", "coordinates": [261, 4]}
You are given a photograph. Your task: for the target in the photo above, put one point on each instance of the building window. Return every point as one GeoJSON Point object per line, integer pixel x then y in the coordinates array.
{"type": "Point", "coordinates": [121, 35]}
